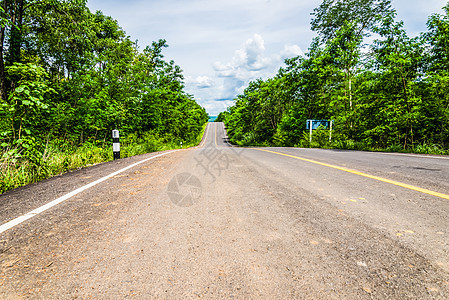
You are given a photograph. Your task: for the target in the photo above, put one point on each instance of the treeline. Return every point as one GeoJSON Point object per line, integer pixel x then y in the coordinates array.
{"type": "Point", "coordinates": [391, 94]}
{"type": "Point", "coordinates": [68, 77]}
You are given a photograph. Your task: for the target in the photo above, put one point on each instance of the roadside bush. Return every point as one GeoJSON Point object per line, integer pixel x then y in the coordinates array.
{"type": "Point", "coordinates": [320, 139]}
{"type": "Point", "coordinates": [430, 149]}
{"type": "Point", "coordinates": [395, 148]}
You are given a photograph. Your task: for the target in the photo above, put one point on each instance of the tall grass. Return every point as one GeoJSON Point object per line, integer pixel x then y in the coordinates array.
{"type": "Point", "coordinates": [19, 168]}
{"type": "Point", "coordinates": [29, 161]}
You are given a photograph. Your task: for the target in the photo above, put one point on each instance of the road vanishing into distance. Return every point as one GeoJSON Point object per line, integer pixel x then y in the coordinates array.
{"type": "Point", "coordinates": [217, 221]}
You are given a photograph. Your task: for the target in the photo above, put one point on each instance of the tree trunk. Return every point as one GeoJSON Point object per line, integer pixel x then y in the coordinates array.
{"type": "Point", "coordinates": [350, 90]}
{"type": "Point", "coordinates": [3, 89]}
{"type": "Point", "coordinates": [16, 31]}
{"type": "Point", "coordinates": [15, 43]}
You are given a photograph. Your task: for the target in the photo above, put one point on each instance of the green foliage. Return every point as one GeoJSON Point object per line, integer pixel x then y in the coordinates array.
{"type": "Point", "coordinates": [394, 97]}
{"type": "Point", "coordinates": [332, 15]}
{"type": "Point", "coordinates": [28, 160]}
{"type": "Point", "coordinates": [320, 139]}
{"type": "Point", "coordinates": [430, 149]}
{"type": "Point", "coordinates": [28, 100]}
{"type": "Point", "coordinates": [222, 116]}
{"type": "Point", "coordinates": [147, 142]}
{"type": "Point", "coordinates": [71, 76]}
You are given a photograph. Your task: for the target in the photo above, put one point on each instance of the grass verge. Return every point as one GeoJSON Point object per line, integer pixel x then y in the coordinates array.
{"type": "Point", "coordinates": [28, 161]}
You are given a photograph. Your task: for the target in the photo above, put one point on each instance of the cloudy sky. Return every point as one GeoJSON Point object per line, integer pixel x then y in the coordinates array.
{"type": "Point", "coordinates": [223, 44]}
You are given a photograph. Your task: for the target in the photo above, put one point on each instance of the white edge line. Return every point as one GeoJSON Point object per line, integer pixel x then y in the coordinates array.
{"type": "Point", "coordinates": [29, 215]}
{"type": "Point", "coordinates": [413, 155]}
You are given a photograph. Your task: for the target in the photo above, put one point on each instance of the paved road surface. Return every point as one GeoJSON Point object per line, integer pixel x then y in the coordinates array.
{"type": "Point", "coordinates": [225, 222]}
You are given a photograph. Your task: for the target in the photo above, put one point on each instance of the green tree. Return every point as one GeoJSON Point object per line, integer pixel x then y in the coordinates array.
{"type": "Point", "coordinates": [332, 15]}
{"type": "Point", "coordinates": [436, 95]}
{"type": "Point", "coordinates": [29, 100]}
{"type": "Point", "coordinates": [398, 60]}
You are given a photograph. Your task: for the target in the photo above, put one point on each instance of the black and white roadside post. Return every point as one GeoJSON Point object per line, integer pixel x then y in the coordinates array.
{"type": "Point", "coordinates": [116, 144]}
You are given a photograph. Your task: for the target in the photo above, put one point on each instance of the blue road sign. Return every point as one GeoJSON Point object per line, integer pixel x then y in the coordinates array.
{"type": "Point", "coordinates": [317, 123]}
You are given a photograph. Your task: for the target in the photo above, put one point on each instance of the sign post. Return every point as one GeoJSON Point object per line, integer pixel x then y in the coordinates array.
{"type": "Point", "coordinates": [116, 144]}
{"type": "Point", "coordinates": [315, 124]}
{"type": "Point", "coordinates": [311, 129]}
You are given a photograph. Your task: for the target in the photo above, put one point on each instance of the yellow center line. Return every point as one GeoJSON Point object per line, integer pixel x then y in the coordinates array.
{"type": "Point", "coordinates": [404, 185]}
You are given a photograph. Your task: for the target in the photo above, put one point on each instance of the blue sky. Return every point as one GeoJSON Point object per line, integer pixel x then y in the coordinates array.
{"type": "Point", "coordinates": [223, 44]}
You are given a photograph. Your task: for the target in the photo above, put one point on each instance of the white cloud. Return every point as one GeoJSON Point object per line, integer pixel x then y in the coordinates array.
{"type": "Point", "coordinates": [250, 58]}
{"type": "Point", "coordinates": [291, 51]}
{"type": "Point", "coordinates": [214, 107]}
{"type": "Point", "coordinates": [206, 36]}
{"type": "Point", "coordinates": [201, 82]}
{"type": "Point", "coordinates": [224, 70]}
{"type": "Point", "coordinates": [249, 63]}
{"type": "Point", "coordinates": [416, 13]}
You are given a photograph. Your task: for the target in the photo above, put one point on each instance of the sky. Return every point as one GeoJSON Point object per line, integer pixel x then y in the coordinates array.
{"type": "Point", "coordinates": [222, 45]}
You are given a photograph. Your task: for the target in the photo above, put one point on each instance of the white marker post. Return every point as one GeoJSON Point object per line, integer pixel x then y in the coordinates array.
{"type": "Point", "coordinates": [116, 144]}
{"type": "Point", "coordinates": [330, 131]}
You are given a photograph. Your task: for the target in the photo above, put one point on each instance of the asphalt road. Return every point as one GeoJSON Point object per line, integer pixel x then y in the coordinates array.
{"type": "Point", "coordinates": [217, 221]}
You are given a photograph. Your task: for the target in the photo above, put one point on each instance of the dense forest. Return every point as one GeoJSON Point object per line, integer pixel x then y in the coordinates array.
{"type": "Point", "coordinates": [382, 88]}
{"type": "Point", "coordinates": [68, 77]}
